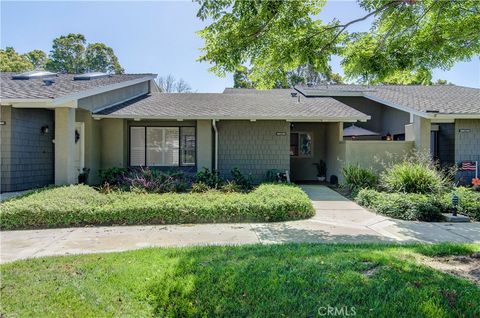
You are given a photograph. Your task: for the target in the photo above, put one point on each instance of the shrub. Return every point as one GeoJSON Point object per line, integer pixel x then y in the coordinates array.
{"type": "Point", "coordinates": [357, 178]}
{"type": "Point", "coordinates": [468, 203]}
{"type": "Point", "coordinates": [151, 180]}
{"type": "Point", "coordinates": [210, 178]}
{"type": "Point", "coordinates": [403, 206]}
{"type": "Point", "coordinates": [81, 205]}
{"type": "Point", "coordinates": [276, 175]}
{"type": "Point", "coordinates": [199, 187]}
{"type": "Point", "coordinates": [244, 183]}
{"type": "Point", "coordinates": [414, 173]}
{"type": "Point", "coordinates": [231, 186]}
{"type": "Point", "coordinates": [112, 176]}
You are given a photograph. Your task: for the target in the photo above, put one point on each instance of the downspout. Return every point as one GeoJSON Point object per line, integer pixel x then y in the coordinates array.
{"type": "Point", "coordinates": [215, 144]}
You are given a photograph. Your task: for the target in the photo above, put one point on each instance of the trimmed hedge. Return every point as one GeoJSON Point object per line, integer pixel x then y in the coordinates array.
{"type": "Point", "coordinates": [469, 202]}
{"type": "Point", "coordinates": [405, 206]}
{"type": "Point", "coordinates": [82, 205]}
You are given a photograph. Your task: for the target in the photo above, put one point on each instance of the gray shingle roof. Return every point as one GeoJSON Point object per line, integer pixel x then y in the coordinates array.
{"type": "Point", "coordinates": [444, 99]}
{"type": "Point", "coordinates": [64, 85]}
{"type": "Point", "coordinates": [233, 106]}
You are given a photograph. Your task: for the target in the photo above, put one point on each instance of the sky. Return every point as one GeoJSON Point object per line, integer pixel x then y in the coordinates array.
{"type": "Point", "coordinates": [156, 36]}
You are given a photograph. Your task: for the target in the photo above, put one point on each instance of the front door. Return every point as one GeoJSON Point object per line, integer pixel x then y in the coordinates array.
{"type": "Point", "coordinates": [79, 147]}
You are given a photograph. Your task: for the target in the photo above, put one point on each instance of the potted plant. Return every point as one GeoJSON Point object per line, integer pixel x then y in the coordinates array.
{"type": "Point", "coordinates": [83, 176]}
{"type": "Point", "coordinates": [321, 170]}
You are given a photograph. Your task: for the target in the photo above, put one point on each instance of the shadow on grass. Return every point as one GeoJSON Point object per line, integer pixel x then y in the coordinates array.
{"type": "Point", "coordinates": [302, 280]}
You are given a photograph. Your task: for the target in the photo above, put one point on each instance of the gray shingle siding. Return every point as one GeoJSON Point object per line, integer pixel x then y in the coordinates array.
{"type": "Point", "coordinates": [467, 144]}
{"type": "Point", "coordinates": [29, 160]}
{"type": "Point", "coordinates": [253, 147]}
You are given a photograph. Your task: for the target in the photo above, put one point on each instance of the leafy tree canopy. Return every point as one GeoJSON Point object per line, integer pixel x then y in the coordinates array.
{"type": "Point", "coordinates": [71, 54]}
{"type": "Point", "coordinates": [301, 75]}
{"type": "Point", "coordinates": [11, 61]}
{"type": "Point", "coordinates": [100, 58]}
{"type": "Point", "coordinates": [38, 58]}
{"type": "Point", "coordinates": [407, 39]}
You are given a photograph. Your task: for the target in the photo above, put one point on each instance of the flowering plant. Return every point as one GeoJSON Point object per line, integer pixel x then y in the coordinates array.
{"type": "Point", "coordinates": [476, 184]}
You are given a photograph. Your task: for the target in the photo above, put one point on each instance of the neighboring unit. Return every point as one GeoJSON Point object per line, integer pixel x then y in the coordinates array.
{"type": "Point", "coordinates": [54, 126]}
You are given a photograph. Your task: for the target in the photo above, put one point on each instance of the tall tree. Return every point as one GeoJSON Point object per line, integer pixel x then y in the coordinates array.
{"type": "Point", "coordinates": [275, 37]}
{"type": "Point", "coordinates": [100, 58]}
{"type": "Point", "coordinates": [301, 75]}
{"type": "Point", "coordinates": [38, 58]}
{"type": "Point", "coordinates": [169, 84]}
{"type": "Point", "coordinates": [71, 54]}
{"type": "Point", "coordinates": [11, 61]}
{"type": "Point", "coordinates": [68, 54]}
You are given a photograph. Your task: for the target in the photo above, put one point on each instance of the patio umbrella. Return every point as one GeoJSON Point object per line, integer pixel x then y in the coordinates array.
{"type": "Point", "coordinates": [354, 131]}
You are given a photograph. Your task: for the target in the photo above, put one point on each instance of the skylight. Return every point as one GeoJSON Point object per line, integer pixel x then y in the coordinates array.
{"type": "Point", "coordinates": [33, 75]}
{"type": "Point", "coordinates": [89, 76]}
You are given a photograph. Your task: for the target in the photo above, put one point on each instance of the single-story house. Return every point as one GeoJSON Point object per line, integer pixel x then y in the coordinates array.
{"type": "Point", "coordinates": [55, 125]}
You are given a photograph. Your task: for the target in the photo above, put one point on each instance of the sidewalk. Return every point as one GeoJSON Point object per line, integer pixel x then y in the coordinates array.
{"type": "Point", "coordinates": [337, 220]}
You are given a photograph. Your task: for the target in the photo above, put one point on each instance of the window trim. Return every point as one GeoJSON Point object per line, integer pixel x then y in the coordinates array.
{"type": "Point", "coordinates": [298, 140]}
{"type": "Point", "coordinates": [129, 143]}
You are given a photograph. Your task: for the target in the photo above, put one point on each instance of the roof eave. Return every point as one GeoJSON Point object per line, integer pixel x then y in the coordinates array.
{"type": "Point", "coordinates": [99, 90]}
{"type": "Point", "coordinates": [289, 119]}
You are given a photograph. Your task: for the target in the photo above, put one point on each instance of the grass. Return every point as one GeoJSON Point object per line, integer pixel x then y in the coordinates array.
{"type": "Point", "coordinates": [82, 205]}
{"type": "Point", "coordinates": [256, 281]}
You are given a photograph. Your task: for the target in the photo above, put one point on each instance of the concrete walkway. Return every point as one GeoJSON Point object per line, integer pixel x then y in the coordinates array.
{"type": "Point", "coordinates": [337, 219]}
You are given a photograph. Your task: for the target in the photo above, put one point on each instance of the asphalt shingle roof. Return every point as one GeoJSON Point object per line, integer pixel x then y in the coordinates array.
{"type": "Point", "coordinates": [233, 106]}
{"type": "Point", "coordinates": [64, 85]}
{"type": "Point", "coordinates": [444, 99]}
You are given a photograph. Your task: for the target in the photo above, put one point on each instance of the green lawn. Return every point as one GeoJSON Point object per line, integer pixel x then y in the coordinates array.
{"type": "Point", "coordinates": [257, 281]}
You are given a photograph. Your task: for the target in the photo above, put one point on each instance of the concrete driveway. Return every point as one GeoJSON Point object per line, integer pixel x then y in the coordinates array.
{"type": "Point", "coordinates": [337, 219]}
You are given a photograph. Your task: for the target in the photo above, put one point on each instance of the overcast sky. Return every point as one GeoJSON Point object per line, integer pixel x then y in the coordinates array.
{"type": "Point", "coordinates": [157, 37]}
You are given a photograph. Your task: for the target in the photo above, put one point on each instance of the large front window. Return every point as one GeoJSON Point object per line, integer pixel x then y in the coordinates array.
{"type": "Point", "coordinates": [162, 146]}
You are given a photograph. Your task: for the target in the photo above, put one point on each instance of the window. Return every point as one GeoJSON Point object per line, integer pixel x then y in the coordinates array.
{"type": "Point", "coordinates": [162, 146]}
{"type": "Point", "coordinates": [301, 144]}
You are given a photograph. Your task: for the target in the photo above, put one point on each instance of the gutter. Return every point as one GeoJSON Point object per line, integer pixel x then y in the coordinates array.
{"type": "Point", "coordinates": [215, 144]}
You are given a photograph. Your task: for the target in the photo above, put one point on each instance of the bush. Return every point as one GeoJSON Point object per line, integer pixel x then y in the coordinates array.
{"type": "Point", "coordinates": [357, 178]}
{"type": "Point", "coordinates": [151, 180]}
{"type": "Point", "coordinates": [231, 186]}
{"type": "Point", "coordinates": [415, 173]}
{"type": "Point", "coordinates": [468, 203]}
{"type": "Point", "coordinates": [112, 176]}
{"type": "Point", "coordinates": [81, 205]}
{"type": "Point", "coordinates": [244, 183]}
{"type": "Point", "coordinates": [199, 187]}
{"type": "Point", "coordinates": [210, 178]}
{"type": "Point", "coordinates": [403, 206]}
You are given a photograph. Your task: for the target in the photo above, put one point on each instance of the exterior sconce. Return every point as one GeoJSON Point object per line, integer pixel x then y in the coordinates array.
{"type": "Point", "coordinates": [44, 130]}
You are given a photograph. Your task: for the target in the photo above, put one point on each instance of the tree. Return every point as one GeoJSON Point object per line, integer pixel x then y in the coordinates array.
{"type": "Point", "coordinates": [275, 37]}
{"type": "Point", "coordinates": [100, 58]}
{"type": "Point", "coordinates": [70, 54]}
{"type": "Point", "coordinates": [11, 61]}
{"type": "Point", "coordinates": [301, 75]}
{"type": "Point", "coordinates": [169, 84]}
{"type": "Point", "coordinates": [38, 58]}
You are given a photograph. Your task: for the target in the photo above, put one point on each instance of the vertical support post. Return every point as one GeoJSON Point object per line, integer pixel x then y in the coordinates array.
{"type": "Point", "coordinates": [65, 146]}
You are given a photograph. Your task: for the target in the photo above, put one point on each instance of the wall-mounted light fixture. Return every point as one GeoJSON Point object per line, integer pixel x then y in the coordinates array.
{"type": "Point", "coordinates": [44, 130]}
